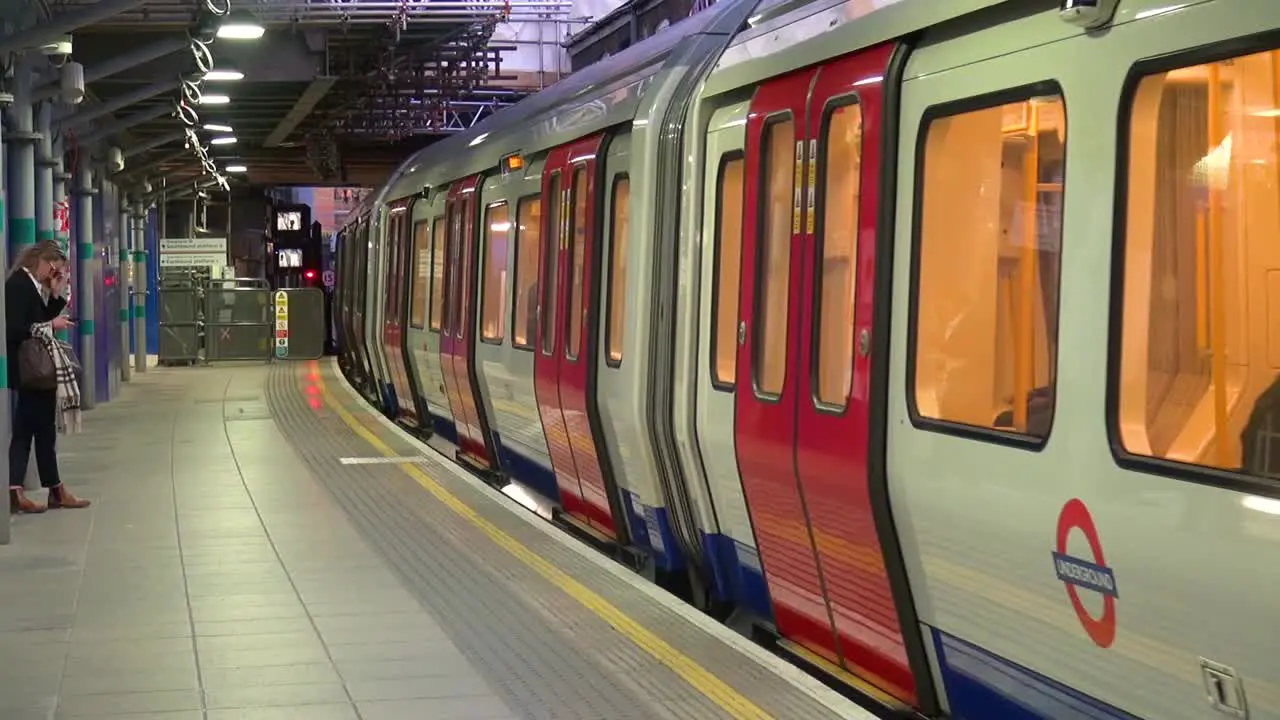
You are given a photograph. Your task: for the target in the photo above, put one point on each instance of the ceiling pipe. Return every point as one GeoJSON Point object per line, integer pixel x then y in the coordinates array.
{"type": "Point", "coordinates": [120, 63]}
{"type": "Point", "coordinates": [117, 103]}
{"type": "Point", "coordinates": [154, 163]}
{"type": "Point", "coordinates": [125, 123]}
{"type": "Point", "coordinates": [63, 23]}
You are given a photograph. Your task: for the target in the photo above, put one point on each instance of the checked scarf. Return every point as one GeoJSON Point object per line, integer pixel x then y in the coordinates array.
{"type": "Point", "coordinates": [68, 415]}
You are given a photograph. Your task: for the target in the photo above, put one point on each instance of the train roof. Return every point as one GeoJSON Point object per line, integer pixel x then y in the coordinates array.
{"type": "Point", "coordinates": [596, 97]}
{"type": "Point", "coordinates": [780, 36]}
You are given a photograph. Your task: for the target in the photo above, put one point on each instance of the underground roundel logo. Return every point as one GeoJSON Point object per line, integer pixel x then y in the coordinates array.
{"type": "Point", "coordinates": [1088, 574]}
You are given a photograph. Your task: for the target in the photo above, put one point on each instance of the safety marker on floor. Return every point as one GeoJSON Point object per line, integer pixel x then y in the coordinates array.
{"type": "Point", "coordinates": [380, 460]}
{"type": "Point", "coordinates": [734, 703]}
{"type": "Point", "coordinates": [1088, 574]}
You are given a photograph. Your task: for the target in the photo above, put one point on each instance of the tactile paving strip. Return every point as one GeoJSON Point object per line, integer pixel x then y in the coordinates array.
{"type": "Point", "coordinates": [548, 655]}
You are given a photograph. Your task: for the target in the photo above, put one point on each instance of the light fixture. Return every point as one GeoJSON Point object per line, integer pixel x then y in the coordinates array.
{"type": "Point", "coordinates": [215, 127]}
{"type": "Point", "coordinates": [217, 74]}
{"type": "Point", "coordinates": [215, 99]}
{"type": "Point", "coordinates": [224, 140]}
{"type": "Point", "coordinates": [240, 26]}
{"type": "Point", "coordinates": [237, 169]}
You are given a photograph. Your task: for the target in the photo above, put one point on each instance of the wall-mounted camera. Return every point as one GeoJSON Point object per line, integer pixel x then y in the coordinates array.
{"type": "Point", "coordinates": [1088, 14]}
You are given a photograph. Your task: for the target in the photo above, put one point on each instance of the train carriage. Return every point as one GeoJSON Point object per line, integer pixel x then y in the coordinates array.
{"type": "Point", "coordinates": [907, 333]}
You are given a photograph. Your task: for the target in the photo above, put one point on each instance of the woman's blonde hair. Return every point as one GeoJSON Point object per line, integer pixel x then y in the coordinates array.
{"type": "Point", "coordinates": [31, 256]}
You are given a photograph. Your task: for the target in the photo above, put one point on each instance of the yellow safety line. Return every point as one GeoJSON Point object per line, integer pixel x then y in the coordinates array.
{"type": "Point", "coordinates": [702, 680]}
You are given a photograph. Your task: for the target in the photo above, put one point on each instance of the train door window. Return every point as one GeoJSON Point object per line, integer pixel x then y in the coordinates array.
{"type": "Point", "coordinates": [493, 304]}
{"type": "Point", "coordinates": [988, 242]}
{"type": "Point", "coordinates": [393, 268]}
{"type": "Point", "coordinates": [577, 254]}
{"type": "Point", "coordinates": [1199, 343]}
{"type": "Point", "coordinates": [437, 271]}
{"type": "Point", "coordinates": [773, 253]}
{"type": "Point", "coordinates": [550, 265]}
{"type": "Point", "coordinates": [618, 224]}
{"type": "Point", "coordinates": [839, 193]}
{"type": "Point", "coordinates": [421, 274]}
{"type": "Point", "coordinates": [728, 270]}
{"type": "Point", "coordinates": [525, 302]}
{"type": "Point", "coordinates": [458, 285]}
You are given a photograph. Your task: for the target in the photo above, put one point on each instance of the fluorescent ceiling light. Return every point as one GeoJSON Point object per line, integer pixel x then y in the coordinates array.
{"type": "Point", "coordinates": [215, 99]}
{"type": "Point", "coordinates": [224, 140]}
{"type": "Point", "coordinates": [240, 26]}
{"type": "Point", "coordinates": [237, 168]}
{"type": "Point", "coordinates": [214, 127]}
{"type": "Point", "coordinates": [217, 74]}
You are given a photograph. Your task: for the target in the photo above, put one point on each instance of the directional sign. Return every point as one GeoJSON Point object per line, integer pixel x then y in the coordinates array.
{"type": "Point", "coordinates": [282, 324]}
{"type": "Point", "coordinates": [1090, 574]}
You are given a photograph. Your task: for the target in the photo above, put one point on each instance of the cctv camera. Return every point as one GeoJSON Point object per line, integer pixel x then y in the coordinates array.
{"type": "Point", "coordinates": [1088, 14]}
{"type": "Point", "coordinates": [71, 86]}
{"type": "Point", "coordinates": [115, 160]}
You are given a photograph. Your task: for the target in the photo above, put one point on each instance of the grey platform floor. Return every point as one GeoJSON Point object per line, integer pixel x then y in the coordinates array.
{"type": "Point", "coordinates": [234, 568]}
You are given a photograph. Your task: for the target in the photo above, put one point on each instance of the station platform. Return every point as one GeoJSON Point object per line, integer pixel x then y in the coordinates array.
{"type": "Point", "coordinates": [263, 546]}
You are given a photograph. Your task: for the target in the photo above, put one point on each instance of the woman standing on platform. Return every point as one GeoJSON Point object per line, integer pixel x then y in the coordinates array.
{"type": "Point", "coordinates": [35, 295]}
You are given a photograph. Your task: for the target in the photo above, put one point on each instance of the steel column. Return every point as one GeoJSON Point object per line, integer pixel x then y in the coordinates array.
{"type": "Point", "coordinates": [124, 281]}
{"type": "Point", "coordinates": [139, 293]}
{"type": "Point", "coordinates": [44, 175]}
{"type": "Point", "coordinates": [86, 270]}
{"type": "Point", "coordinates": [22, 176]}
{"type": "Point", "coordinates": [5, 417]}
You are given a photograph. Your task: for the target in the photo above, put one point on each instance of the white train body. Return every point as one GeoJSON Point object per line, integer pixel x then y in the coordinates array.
{"type": "Point", "coordinates": [937, 339]}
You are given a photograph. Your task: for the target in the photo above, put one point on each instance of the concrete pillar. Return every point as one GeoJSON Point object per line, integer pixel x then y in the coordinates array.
{"type": "Point", "coordinates": [5, 417]}
{"type": "Point", "coordinates": [21, 169]}
{"type": "Point", "coordinates": [86, 265]}
{"type": "Point", "coordinates": [44, 174]}
{"type": "Point", "coordinates": [124, 281]}
{"type": "Point", "coordinates": [22, 175]}
{"type": "Point", "coordinates": [60, 234]}
{"type": "Point", "coordinates": [139, 289]}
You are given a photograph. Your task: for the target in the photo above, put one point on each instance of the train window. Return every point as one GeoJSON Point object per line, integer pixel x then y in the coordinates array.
{"type": "Point", "coordinates": [528, 235]}
{"type": "Point", "coordinates": [617, 268]}
{"type": "Point", "coordinates": [728, 269]}
{"type": "Point", "coordinates": [1198, 342]}
{"type": "Point", "coordinates": [421, 274]}
{"type": "Point", "coordinates": [773, 256]}
{"type": "Point", "coordinates": [551, 265]}
{"type": "Point", "coordinates": [988, 242]}
{"type": "Point", "coordinates": [839, 196]}
{"type": "Point", "coordinates": [437, 272]}
{"type": "Point", "coordinates": [578, 250]}
{"type": "Point", "coordinates": [493, 305]}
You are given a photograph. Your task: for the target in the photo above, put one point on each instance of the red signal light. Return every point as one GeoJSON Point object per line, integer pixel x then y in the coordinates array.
{"type": "Point", "coordinates": [309, 274]}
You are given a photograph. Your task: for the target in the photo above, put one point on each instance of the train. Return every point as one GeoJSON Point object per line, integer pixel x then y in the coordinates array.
{"type": "Point", "coordinates": [786, 308]}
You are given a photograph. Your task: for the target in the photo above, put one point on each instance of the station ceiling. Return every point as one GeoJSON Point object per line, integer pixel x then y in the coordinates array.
{"type": "Point", "coordinates": [335, 92]}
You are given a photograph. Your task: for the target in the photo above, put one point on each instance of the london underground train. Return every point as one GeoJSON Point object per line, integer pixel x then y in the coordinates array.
{"type": "Point", "coordinates": [786, 306]}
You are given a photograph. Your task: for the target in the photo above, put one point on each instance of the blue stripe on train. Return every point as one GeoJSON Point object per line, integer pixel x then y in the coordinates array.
{"type": "Point", "coordinates": [736, 574]}
{"type": "Point", "coordinates": [444, 427]}
{"type": "Point", "coordinates": [981, 686]}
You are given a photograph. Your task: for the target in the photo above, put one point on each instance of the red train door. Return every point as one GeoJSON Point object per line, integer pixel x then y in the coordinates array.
{"type": "Point", "coordinates": [833, 366]}
{"type": "Point", "coordinates": [802, 409]}
{"type": "Point", "coordinates": [561, 366]}
{"type": "Point", "coordinates": [392, 333]}
{"type": "Point", "coordinates": [764, 410]}
{"type": "Point", "coordinates": [455, 335]}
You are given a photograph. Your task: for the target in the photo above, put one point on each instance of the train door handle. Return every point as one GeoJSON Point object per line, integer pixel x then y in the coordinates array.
{"type": "Point", "coordinates": [864, 342]}
{"type": "Point", "coordinates": [742, 332]}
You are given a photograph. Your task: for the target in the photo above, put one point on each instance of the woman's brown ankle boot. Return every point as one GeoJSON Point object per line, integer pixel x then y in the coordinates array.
{"type": "Point", "coordinates": [20, 503]}
{"type": "Point", "coordinates": [62, 498]}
